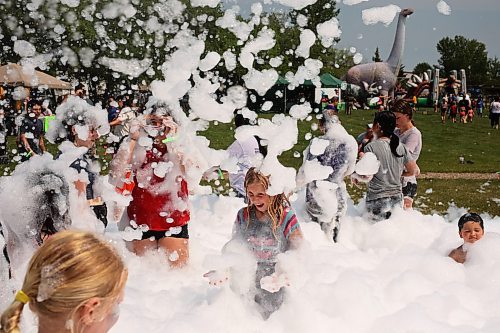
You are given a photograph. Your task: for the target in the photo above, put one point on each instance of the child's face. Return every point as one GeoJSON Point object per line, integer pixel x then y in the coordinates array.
{"type": "Point", "coordinates": [471, 232]}
{"type": "Point", "coordinates": [258, 197]}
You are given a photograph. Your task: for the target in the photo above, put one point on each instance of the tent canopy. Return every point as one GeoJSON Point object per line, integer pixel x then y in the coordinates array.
{"type": "Point", "coordinates": [327, 81]}
{"type": "Point", "coordinates": [15, 75]}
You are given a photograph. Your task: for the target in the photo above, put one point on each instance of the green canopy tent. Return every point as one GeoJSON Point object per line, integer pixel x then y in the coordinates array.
{"type": "Point", "coordinates": [327, 81]}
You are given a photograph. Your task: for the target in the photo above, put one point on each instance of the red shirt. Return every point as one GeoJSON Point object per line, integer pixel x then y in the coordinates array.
{"type": "Point", "coordinates": [146, 206]}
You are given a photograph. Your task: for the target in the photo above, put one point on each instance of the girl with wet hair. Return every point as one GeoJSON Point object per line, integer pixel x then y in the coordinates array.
{"type": "Point", "coordinates": [150, 170]}
{"type": "Point", "coordinates": [74, 283]}
{"type": "Point", "coordinates": [384, 189]}
{"type": "Point", "coordinates": [267, 227]}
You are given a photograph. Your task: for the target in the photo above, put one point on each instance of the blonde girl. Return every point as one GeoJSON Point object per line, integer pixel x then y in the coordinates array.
{"type": "Point", "coordinates": [268, 226]}
{"type": "Point", "coordinates": [74, 283]}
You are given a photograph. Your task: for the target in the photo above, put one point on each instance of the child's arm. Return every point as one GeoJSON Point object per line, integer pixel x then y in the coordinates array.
{"type": "Point", "coordinates": [296, 239]}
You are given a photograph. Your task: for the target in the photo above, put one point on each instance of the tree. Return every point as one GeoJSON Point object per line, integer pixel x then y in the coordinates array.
{"type": "Point", "coordinates": [376, 57]}
{"type": "Point", "coordinates": [421, 68]}
{"type": "Point", "coordinates": [462, 53]}
{"type": "Point", "coordinates": [494, 68]}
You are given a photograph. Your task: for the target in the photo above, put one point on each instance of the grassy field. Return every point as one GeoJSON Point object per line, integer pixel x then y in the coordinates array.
{"type": "Point", "coordinates": [442, 147]}
{"type": "Point", "coordinates": [442, 144]}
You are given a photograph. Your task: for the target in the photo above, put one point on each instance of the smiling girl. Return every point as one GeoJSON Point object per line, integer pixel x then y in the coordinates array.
{"type": "Point", "coordinates": [267, 226]}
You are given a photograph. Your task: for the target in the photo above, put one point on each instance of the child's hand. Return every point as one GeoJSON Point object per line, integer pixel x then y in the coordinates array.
{"type": "Point", "coordinates": [274, 282]}
{"type": "Point", "coordinates": [217, 278]}
{"type": "Point", "coordinates": [171, 125]}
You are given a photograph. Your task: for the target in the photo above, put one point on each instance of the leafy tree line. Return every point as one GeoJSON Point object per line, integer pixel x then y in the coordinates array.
{"type": "Point", "coordinates": [73, 39]}
{"type": "Point", "coordinates": [469, 54]}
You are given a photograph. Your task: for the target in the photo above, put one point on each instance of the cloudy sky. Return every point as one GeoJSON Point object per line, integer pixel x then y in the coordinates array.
{"type": "Point", "coordinates": [473, 19]}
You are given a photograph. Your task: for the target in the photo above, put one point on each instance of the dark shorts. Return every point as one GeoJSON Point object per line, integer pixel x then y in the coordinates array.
{"type": "Point", "coordinates": [159, 234]}
{"type": "Point", "coordinates": [380, 209]}
{"type": "Point", "coordinates": [410, 190]}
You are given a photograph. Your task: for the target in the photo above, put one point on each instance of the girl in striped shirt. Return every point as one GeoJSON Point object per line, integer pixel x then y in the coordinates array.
{"type": "Point", "coordinates": [267, 227]}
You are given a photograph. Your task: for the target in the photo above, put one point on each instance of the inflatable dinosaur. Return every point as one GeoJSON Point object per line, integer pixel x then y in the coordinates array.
{"type": "Point", "coordinates": [381, 77]}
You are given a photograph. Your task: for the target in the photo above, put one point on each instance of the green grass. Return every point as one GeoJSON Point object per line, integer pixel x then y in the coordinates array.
{"type": "Point", "coordinates": [442, 146]}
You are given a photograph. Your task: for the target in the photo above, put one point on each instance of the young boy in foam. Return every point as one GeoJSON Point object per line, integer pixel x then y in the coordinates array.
{"type": "Point", "coordinates": [471, 229]}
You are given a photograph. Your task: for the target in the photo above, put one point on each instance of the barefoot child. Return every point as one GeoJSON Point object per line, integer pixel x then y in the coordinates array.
{"type": "Point", "coordinates": [267, 227]}
{"type": "Point", "coordinates": [471, 229]}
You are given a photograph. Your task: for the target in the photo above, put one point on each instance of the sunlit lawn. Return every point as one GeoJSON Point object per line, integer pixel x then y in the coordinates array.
{"type": "Point", "coordinates": [442, 147]}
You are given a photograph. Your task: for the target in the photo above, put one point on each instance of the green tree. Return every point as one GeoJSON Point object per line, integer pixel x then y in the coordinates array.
{"type": "Point", "coordinates": [421, 68]}
{"type": "Point", "coordinates": [494, 68]}
{"type": "Point", "coordinates": [462, 53]}
{"type": "Point", "coordinates": [376, 57]}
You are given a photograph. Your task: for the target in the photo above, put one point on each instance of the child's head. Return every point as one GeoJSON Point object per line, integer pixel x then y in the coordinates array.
{"type": "Point", "coordinates": [75, 280]}
{"type": "Point", "coordinates": [256, 185]}
{"type": "Point", "coordinates": [470, 227]}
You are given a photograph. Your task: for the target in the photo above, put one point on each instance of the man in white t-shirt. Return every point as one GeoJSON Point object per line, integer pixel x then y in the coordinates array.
{"type": "Point", "coordinates": [120, 126]}
{"type": "Point", "coordinates": [244, 151]}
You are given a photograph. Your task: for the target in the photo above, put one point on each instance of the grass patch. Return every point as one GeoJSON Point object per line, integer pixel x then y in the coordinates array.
{"type": "Point", "coordinates": [442, 147]}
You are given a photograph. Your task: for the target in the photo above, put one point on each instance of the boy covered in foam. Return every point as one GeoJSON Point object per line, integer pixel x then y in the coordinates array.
{"type": "Point", "coordinates": [471, 229]}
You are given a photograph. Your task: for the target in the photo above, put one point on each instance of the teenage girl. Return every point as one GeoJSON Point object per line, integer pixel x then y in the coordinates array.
{"type": "Point", "coordinates": [385, 190]}
{"type": "Point", "coordinates": [267, 226]}
{"type": "Point", "coordinates": [160, 203]}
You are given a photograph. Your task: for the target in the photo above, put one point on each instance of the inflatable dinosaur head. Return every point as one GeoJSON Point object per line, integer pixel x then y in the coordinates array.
{"type": "Point", "coordinates": [407, 12]}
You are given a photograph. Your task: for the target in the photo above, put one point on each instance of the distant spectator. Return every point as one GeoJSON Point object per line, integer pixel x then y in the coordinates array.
{"type": "Point", "coordinates": [495, 112]}
{"type": "Point", "coordinates": [470, 229]}
{"type": "Point", "coordinates": [480, 106]}
{"type": "Point", "coordinates": [443, 105]}
{"type": "Point", "coordinates": [31, 132]}
{"type": "Point", "coordinates": [82, 93]}
{"type": "Point", "coordinates": [453, 112]}
{"type": "Point", "coordinates": [120, 126]}
{"type": "Point", "coordinates": [112, 109]}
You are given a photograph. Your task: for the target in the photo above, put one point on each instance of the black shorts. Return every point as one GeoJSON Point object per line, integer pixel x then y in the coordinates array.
{"type": "Point", "coordinates": [410, 190]}
{"type": "Point", "coordinates": [159, 234]}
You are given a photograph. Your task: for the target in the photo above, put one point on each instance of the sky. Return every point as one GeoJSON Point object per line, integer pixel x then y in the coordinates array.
{"type": "Point", "coordinates": [473, 19]}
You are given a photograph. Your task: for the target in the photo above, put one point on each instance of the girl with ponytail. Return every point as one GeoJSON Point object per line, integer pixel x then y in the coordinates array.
{"type": "Point", "coordinates": [74, 284]}
{"type": "Point", "coordinates": [384, 189]}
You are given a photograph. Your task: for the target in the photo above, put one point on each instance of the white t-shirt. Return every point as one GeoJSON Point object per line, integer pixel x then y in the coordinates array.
{"type": "Point", "coordinates": [495, 107]}
{"type": "Point", "coordinates": [412, 140]}
{"type": "Point", "coordinates": [125, 116]}
{"type": "Point", "coordinates": [244, 151]}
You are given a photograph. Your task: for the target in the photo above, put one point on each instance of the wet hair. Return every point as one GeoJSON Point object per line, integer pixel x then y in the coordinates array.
{"type": "Point", "coordinates": [402, 106]}
{"type": "Point", "coordinates": [68, 270]}
{"type": "Point", "coordinates": [387, 122]}
{"type": "Point", "coordinates": [34, 102]}
{"type": "Point", "coordinates": [277, 203]}
{"type": "Point", "coordinates": [161, 110]}
{"type": "Point", "coordinates": [470, 217]}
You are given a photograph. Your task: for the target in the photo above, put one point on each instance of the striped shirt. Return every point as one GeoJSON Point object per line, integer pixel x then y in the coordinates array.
{"type": "Point", "coordinates": [259, 236]}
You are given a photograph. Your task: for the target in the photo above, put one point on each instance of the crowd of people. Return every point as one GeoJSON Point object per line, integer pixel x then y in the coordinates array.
{"type": "Point", "coordinates": [149, 174]}
{"type": "Point", "coordinates": [463, 108]}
